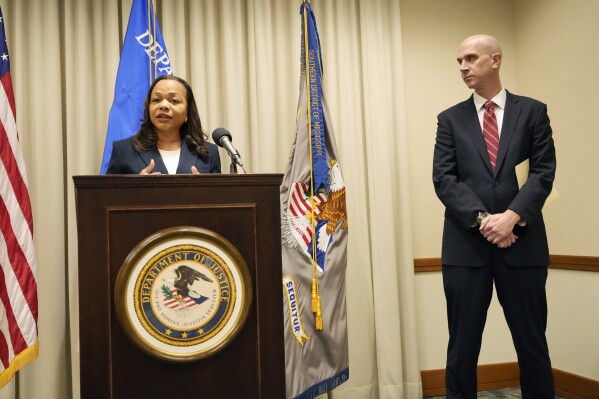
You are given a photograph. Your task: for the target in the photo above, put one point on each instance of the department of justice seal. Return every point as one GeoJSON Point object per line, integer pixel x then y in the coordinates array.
{"type": "Point", "coordinates": [183, 293]}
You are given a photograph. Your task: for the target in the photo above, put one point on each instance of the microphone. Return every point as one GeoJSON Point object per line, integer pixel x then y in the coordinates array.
{"type": "Point", "coordinates": [222, 138]}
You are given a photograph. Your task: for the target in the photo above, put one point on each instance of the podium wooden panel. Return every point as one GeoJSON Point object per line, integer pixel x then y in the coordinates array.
{"type": "Point", "coordinates": [114, 213]}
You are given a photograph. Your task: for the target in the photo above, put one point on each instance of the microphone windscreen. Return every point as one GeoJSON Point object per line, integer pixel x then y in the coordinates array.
{"type": "Point", "coordinates": [219, 133]}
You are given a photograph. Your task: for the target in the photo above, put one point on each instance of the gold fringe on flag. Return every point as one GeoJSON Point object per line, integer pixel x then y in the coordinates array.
{"type": "Point", "coordinates": [18, 362]}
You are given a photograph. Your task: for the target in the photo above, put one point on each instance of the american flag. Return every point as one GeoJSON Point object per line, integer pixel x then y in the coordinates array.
{"type": "Point", "coordinates": [176, 303]}
{"type": "Point", "coordinates": [18, 282]}
{"type": "Point", "coordinates": [299, 208]}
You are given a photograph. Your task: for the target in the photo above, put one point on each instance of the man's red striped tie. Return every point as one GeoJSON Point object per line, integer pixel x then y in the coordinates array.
{"type": "Point", "coordinates": [491, 132]}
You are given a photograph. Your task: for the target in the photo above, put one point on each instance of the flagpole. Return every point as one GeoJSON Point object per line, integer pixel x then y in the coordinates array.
{"type": "Point", "coordinates": [151, 24]}
{"type": "Point", "coordinates": [154, 43]}
{"type": "Point", "coordinates": [316, 307]}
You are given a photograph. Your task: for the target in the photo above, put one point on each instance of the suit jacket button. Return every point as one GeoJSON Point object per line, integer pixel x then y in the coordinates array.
{"type": "Point", "coordinates": [495, 183]}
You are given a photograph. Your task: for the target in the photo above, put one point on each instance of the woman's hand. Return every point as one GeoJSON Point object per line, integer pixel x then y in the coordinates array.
{"type": "Point", "coordinates": [194, 170]}
{"type": "Point", "coordinates": [148, 169]}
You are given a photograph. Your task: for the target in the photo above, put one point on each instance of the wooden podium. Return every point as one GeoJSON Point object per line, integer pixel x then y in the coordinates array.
{"type": "Point", "coordinates": [115, 213]}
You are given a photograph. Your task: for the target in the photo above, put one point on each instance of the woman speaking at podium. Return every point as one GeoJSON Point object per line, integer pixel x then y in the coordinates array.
{"type": "Point", "coordinates": [171, 139]}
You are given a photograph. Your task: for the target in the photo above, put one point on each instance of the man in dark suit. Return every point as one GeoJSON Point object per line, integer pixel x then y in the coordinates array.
{"type": "Point", "coordinates": [494, 231]}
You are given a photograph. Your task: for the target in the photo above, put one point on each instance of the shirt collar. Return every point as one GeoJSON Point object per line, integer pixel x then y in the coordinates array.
{"type": "Point", "coordinates": [499, 99]}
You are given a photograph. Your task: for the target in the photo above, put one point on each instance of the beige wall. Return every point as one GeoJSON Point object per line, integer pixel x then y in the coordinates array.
{"type": "Point", "coordinates": [561, 66]}
{"type": "Point", "coordinates": [550, 53]}
{"type": "Point", "coordinates": [558, 61]}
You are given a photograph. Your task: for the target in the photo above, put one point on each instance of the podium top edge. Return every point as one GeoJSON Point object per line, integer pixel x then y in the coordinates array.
{"type": "Point", "coordinates": [213, 179]}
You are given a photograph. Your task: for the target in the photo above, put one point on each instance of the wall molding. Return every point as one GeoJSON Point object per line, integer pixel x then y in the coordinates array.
{"type": "Point", "coordinates": [571, 386]}
{"type": "Point", "coordinates": [581, 263]}
{"type": "Point", "coordinates": [422, 265]}
{"type": "Point", "coordinates": [564, 262]}
{"type": "Point", "coordinates": [507, 375]}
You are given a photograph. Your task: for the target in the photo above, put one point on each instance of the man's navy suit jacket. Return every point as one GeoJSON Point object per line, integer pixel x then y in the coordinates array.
{"type": "Point", "coordinates": [126, 160]}
{"type": "Point", "coordinates": [466, 184]}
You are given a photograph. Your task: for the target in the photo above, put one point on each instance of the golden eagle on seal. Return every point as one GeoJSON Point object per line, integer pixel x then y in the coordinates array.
{"type": "Point", "coordinates": [185, 277]}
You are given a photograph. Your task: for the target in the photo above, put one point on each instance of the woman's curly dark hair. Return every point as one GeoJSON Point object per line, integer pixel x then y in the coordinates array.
{"type": "Point", "coordinates": [192, 132]}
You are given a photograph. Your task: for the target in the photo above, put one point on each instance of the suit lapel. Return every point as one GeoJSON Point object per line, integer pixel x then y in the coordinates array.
{"type": "Point", "coordinates": [470, 117]}
{"type": "Point", "coordinates": [186, 159]}
{"type": "Point", "coordinates": [153, 153]}
{"type": "Point", "coordinates": [510, 119]}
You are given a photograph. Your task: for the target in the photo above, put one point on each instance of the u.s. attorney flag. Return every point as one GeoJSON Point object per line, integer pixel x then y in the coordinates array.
{"type": "Point", "coordinates": [143, 59]}
{"type": "Point", "coordinates": [314, 239]}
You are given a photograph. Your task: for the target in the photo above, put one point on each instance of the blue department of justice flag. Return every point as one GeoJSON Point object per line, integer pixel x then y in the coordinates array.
{"type": "Point", "coordinates": [314, 238]}
{"type": "Point", "coordinates": [143, 59]}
